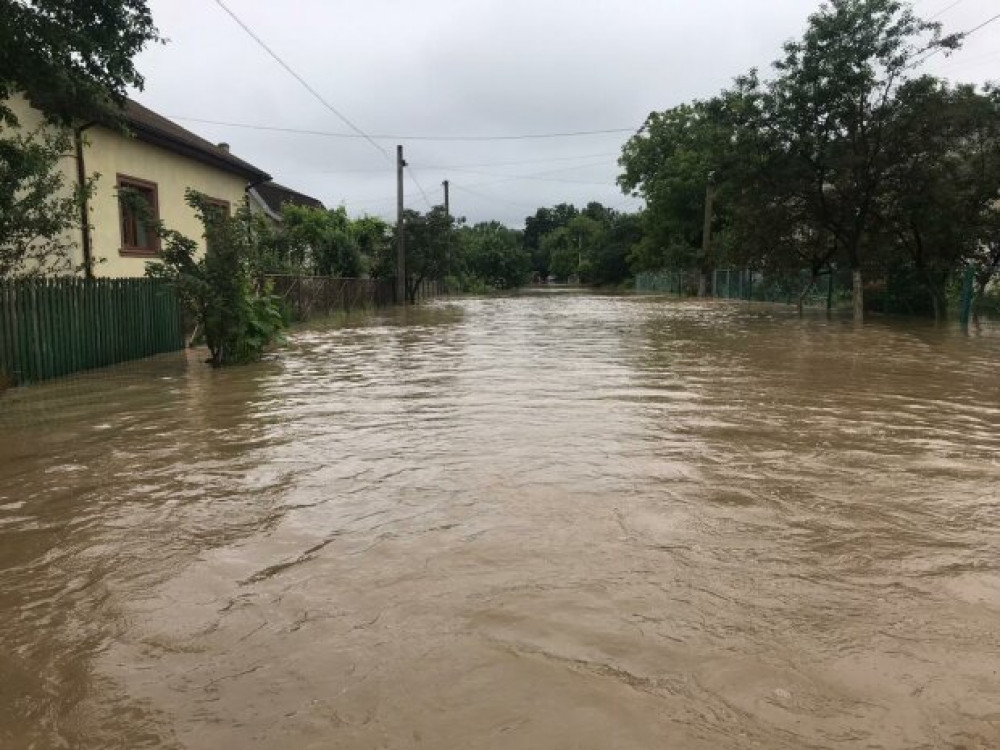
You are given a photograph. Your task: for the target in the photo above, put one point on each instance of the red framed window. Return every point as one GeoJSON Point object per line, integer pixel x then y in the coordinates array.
{"type": "Point", "coordinates": [138, 206]}
{"type": "Point", "coordinates": [219, 205]}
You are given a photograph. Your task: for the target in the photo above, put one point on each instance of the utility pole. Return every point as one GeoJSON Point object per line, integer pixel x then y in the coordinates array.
{"type": "Point", "coordinates": [579, 255]}
{"type": "Point", "coordinates": [706, 236]}
{"type": "Point", "coordinates": [400, 238]}
{"type": "Point", "coordinates": [447, 247]}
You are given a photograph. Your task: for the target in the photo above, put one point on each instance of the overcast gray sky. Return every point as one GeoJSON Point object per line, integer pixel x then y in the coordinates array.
{"type": "Point", "coordinates": [473, 68]}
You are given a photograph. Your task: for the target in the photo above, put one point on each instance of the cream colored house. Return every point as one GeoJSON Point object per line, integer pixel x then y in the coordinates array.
{"type": "Point", "coordinates": [159, 162]}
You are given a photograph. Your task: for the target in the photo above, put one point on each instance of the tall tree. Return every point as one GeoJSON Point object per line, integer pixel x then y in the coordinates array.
{"type": "Point", "coordinates": [829, 111]}
{"type": "Point", "coordinates": [669, 163]}
{"type": "Point", "coordinates": [428, 239]}
{"type": "Point", "coordinates": [943, 179]}
{"type": "Point", "coordinates": [536, 227]}
{"type": "Point", "coordinates": [494, 255]}
{"type": "Point", "coordinates": [562, 248]}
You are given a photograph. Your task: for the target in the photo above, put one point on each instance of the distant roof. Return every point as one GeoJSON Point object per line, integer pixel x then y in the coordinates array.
{"type": "Point", "coordinates": [153, 128]}
{"type": "Point", "coordinates": [275, 196]}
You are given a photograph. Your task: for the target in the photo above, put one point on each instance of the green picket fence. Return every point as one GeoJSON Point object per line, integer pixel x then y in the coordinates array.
{"type": "Point", "coordinates": [53, 327]}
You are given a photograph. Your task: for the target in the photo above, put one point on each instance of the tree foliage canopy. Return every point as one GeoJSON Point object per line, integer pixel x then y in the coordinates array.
{"type": "Point", "coordinates": [844, 157]}
{"type": "Point", "coordinates": [73, 59]}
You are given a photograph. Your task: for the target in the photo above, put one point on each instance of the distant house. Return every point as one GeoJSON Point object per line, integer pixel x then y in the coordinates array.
{"type": "Point", "coordinates": [159, 162]}
{"type": "Point", "coordinates": [269, 197]}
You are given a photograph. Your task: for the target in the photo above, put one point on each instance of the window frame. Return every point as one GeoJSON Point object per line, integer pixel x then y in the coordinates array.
{"type": "Point", "coordinates": [134, 251]}
{"type": "Point", "coordinates": [225, 205]}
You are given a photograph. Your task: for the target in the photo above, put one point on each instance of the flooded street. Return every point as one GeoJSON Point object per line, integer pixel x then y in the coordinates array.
{"type": "Point", "coordinates": [541, 522]}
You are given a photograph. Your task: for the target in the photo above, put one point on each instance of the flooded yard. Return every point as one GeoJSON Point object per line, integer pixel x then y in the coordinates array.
{"type": "Point", "coordinates": [548, 521]}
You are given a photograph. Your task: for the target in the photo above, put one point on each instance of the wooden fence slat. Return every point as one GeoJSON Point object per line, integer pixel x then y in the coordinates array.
{"type": "Point", "coordinates": [53, 327]}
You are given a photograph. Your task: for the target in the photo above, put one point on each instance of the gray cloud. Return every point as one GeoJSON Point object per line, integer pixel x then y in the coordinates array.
{"type": "Point", "coordinates": [479, 67]}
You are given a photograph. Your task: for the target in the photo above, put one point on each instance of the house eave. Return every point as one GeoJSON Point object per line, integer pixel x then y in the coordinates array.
{"type": "Point", "coordinates": [157, 138]}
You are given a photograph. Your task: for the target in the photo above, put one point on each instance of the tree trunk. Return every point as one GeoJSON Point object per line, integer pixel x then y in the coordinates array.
{"type": "Point", "coordinates": [982, 281]}
{"type": "Point", "coordinates": [938, 304]}
{"type": "Point", "coordinates": [859, 296]}
{"type": "Point", "coordinates": [934, 287]}
{"type": "Point", "coordinates": [977, 299]}
{"type": "Point", "coordinates": [813, 279]}
{"type": "Point", "coordinates": [413, 289]}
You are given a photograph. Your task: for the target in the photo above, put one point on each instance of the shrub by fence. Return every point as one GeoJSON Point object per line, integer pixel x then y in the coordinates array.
{"type": "Point", "coordinates": [315, 296]}
{"type": "Point", "coordinates": [53, 327]}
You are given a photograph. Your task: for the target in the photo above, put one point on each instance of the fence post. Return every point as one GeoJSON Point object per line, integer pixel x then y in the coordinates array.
{"type": "Point", "coordinates": [965, 306]}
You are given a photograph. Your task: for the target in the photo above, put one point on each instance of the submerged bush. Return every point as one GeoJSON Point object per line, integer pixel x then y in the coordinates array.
{"type": "Point", "coordinates": [238, 315]}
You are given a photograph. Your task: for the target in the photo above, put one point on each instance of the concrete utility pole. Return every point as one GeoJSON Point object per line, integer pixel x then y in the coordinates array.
{"type": "Point", "coordinates": [400, 238]}
{"type": "Point", "coordinates": [447, 202]}
{"type": "Point", "coordinates": [706, 236]}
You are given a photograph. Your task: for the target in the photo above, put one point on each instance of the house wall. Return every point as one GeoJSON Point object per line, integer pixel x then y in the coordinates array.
{"type": "Point", "coordinates": [109, 154]}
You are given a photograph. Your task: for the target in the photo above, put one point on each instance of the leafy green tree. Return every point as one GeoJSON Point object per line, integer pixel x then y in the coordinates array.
{"type": "Point", "coordinates": [943, 178]}
{"type": "Point", "coordinates": [494, 255]}
{"type": "Point", "coordinates": [562, 247]}
{"type": "Point", "coordinates": [337, 252]}
{"type": "Point", "coordinates": [593, 244]}
{"type": "Point", "coordinates": [429, 239]}
{"type": "Point", "coordinates": [373, 236]}
{"type": "Point", "coordinates": [986, 261]}
{"type": "Point", "coordinates": [590, 235]}
{"type": "Point", "coordinates": [40, 213]}
{"type": "Point", "coordinates": [669, 163]}
{"type": "Point", "coordinates": [72, 59]}
{"type": "Point", "coordinates": [238, 317]}
{"type": "Point", "coordinates": [536, 227]}
{"type": "Point", "coordinates": [826, 117]}
{"type": "Point", "coordinates": [609, 262]}
{"type": "Point", "coordinates": [312, 241]}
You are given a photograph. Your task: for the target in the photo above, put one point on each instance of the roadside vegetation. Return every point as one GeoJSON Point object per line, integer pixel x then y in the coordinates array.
{"type": "Point", "coordinates": [223, 289]}
{"type": "Point", "coordinates": [842, 159]}
{"type": "Point", "coordinates": [846, 157]}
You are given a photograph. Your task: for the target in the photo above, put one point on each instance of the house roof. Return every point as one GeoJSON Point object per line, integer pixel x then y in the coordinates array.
{"type": "Point", "coordinates": [275, 196]}
{"type": "Point", "coordinates": [156, 129]}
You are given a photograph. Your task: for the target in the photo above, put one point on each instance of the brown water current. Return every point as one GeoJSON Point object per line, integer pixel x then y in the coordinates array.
{"type": "Point", "coordinates": [542, 522]}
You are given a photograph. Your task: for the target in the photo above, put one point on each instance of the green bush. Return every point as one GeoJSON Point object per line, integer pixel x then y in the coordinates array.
{"type": "Point", "coordinates": [238, 315]}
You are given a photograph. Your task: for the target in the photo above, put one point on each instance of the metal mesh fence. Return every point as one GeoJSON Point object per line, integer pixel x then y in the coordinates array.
{"type": "Point", "coordinates": [830, 288]}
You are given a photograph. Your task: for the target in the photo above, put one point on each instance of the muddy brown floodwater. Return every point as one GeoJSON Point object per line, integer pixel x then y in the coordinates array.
{"type": "Point", "coordinates": [543, 522]}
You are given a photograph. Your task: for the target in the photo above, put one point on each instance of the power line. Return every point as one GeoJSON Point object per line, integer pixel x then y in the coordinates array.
{"type": "Point", "coordinates": [446, 167]}
{"type": "Point", "coordinates": [973, 61]}
{"type": "Point", "coordinates": [392, 137]}
{"type": "Point", "coordinates": [536, 175]}
{"type": "Point", "coordinates": [515, 178]}
{"type": "Point", "coordinates": [300, 79]}
{"type": "Point", "coordinates": [962, 35]}
{"type": "Point", "coordinates": [946, 9]}
{"type": "Point", "coordinates": [413, 176]}
{"type": "Point", "coordinates": [524, 161]}
{"type": "Point", "coordinates": [981, 26]}
{"type": "Point", "coordinates": [504, 179]}
{"type": "Point", "coordinates": [493, 199]}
